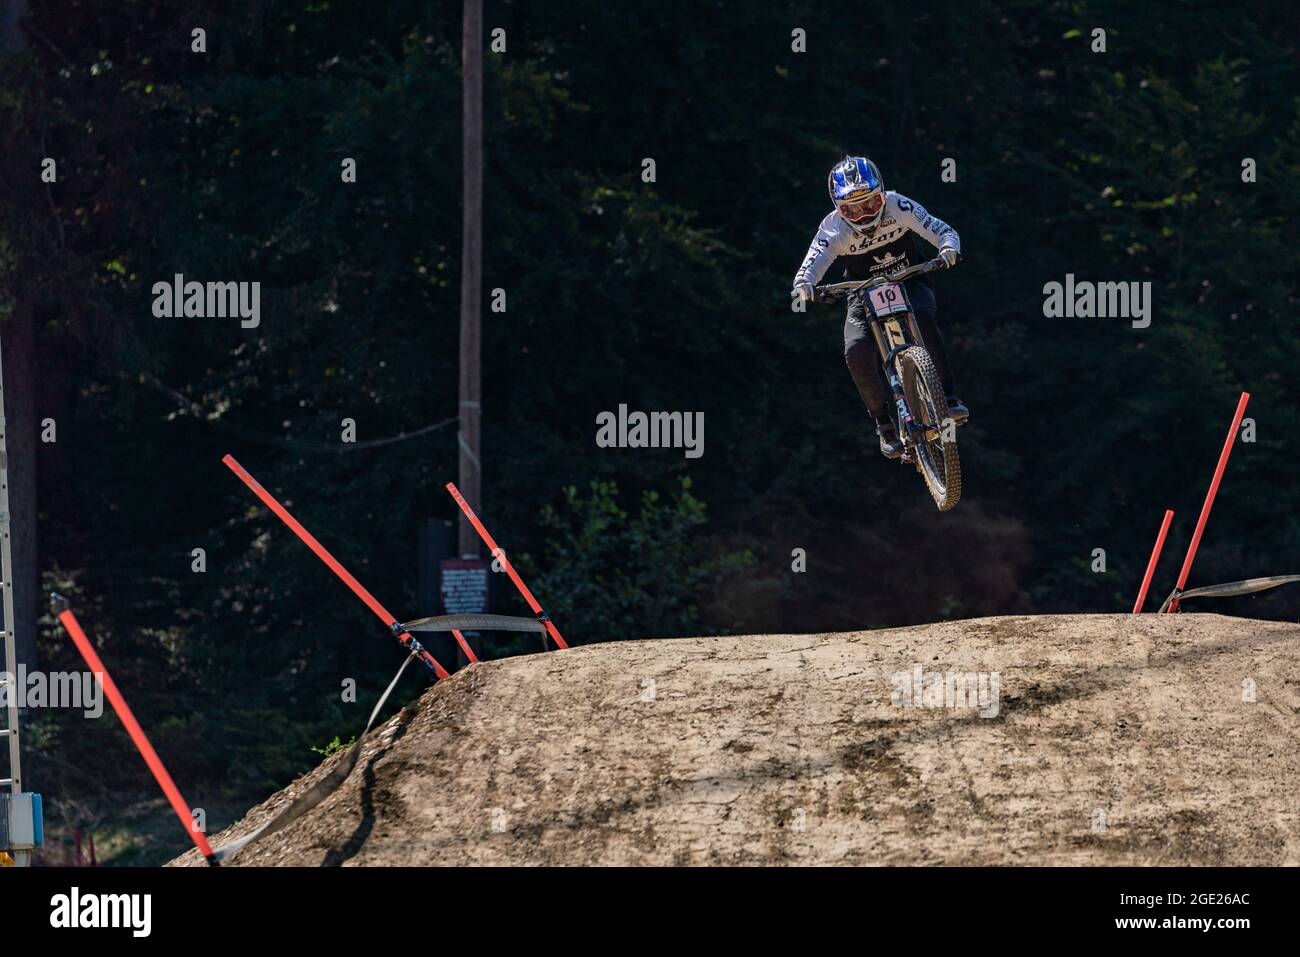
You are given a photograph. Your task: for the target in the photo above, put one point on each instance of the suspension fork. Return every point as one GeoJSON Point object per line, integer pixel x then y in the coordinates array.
{"type": "Point", "coordinates": [896, 386]}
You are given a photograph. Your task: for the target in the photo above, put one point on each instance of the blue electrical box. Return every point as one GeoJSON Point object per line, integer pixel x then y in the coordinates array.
{"type": "Point", "coordinates": [22, 825]}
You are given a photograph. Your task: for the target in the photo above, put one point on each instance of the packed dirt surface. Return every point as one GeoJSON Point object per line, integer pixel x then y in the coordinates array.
{"type": "Point", "coordinates": [1111, 739]}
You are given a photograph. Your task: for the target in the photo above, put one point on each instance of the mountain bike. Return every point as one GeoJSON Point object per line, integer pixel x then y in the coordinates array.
{"type": "Point", "coordinates": [927, 431]}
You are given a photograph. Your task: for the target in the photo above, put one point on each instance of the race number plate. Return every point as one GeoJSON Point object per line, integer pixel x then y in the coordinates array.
{"type": "Point", "coordinates": [887, 299]}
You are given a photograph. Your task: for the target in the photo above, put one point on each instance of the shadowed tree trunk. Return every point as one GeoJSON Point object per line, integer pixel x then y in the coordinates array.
{"type": "Point", "coordinates": [11, 38]}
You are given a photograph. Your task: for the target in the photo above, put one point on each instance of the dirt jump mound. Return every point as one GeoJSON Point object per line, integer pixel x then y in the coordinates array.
{"type": "Point", "coordinates": [1104, 739]}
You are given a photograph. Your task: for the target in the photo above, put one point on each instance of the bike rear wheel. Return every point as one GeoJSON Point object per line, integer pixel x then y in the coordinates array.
{"type": "Point", "coordinates": [935, 440]}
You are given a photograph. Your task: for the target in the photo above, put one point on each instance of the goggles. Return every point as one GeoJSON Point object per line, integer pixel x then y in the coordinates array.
{"type": "Point", "coordinates": [856, 212]}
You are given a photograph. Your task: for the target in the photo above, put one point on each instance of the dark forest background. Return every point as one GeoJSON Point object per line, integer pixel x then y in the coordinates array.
{"type": "Point", "coordinates": [1116, 166]}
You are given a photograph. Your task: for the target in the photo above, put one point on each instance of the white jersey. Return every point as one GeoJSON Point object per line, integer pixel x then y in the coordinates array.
{"type": "Point", "coordinates": [888, 248]}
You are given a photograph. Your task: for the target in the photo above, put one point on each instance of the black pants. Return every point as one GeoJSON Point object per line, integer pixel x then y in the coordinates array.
{"type": "Point", "coordinates": [863, 358]}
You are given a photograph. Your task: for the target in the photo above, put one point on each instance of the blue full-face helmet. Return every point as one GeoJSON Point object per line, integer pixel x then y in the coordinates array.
{"type": "Point", "coordinates": [858, 191]}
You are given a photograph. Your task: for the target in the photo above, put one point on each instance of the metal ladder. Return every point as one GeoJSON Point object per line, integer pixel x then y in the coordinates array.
{"type": "Point", "coordinates": [9, 671]}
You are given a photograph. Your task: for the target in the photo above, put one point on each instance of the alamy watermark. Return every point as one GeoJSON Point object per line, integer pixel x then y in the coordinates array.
{"type": "Point", "coordinates": [89, 910]}
{"type": "Point", "coordinates": [208, 300]}
{"type": "Point", "coordinates": [973, 690]}
{"type": "Point", "coordinates": [52, 689]}
{"type": "Point", "coordinates": [651, 430]}
{"type": "Point", "coordinates": [1083, 299]}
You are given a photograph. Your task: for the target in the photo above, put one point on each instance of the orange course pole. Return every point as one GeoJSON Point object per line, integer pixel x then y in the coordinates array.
{"type": "Point", "coordinates": [1151, 564]}
{"type": "Point", "coordinates": [496, 552]}
{"type": "Point", "coordinates": [134, 730]}
{"type": "Point", "coordinates": [1228, 443]}
{"type": "Point", "coordinates": [330, 561]}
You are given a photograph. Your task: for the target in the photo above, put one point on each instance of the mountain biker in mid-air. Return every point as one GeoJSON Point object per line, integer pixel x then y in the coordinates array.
{"type": "Point", "coordinates": [870, 230]}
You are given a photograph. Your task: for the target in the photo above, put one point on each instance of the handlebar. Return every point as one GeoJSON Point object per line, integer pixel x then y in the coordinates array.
{"type": "Point", "coordinates": [835, 291]}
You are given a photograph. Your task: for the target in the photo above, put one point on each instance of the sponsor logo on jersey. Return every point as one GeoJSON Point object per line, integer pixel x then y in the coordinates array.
{"type": "Point", "coordinates": [879, 239]}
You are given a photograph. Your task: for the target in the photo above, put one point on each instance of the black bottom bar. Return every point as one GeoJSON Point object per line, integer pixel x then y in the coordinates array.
{"type": "Point", "coordinates": [927, 907]}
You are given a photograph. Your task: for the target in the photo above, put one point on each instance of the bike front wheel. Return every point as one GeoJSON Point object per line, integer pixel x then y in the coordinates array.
{"type": "Point", "coordinates": [933, 433]}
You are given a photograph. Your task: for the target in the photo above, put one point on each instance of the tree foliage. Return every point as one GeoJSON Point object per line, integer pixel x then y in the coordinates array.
{"type": "Point", "coordinates": [664, 295]}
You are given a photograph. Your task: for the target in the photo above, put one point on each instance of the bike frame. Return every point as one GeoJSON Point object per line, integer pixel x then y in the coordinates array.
{"type": "Point", "coordinates": [888, 331]}
{"type": "Point", "coordinates": [890, 341]}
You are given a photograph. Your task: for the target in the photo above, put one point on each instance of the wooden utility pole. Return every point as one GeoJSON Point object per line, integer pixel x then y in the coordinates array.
{"type": "Point", "coordinates": [471, 272]}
